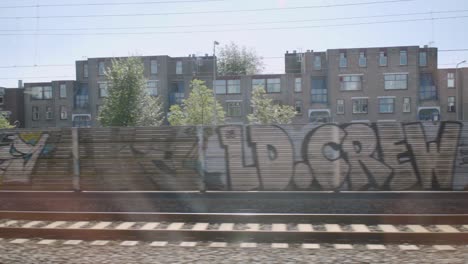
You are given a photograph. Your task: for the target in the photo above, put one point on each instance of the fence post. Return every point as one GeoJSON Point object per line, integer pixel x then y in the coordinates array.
{"type": "Point", "coordinates": [201, 159]}
{"type": "Point", "coordinates": [76, 160]}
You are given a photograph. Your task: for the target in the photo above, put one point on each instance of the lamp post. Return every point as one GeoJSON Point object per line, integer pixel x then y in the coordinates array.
{"type": "Point", "coordinates": [460, 92]}
{"type": "Point", "coordinates": [215, 109]}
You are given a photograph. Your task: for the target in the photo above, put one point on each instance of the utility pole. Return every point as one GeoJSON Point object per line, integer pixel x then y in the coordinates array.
{"type": "Point", "coordinates": [215, 109]}
{"type": "Point", "coordinates": [459, 102]}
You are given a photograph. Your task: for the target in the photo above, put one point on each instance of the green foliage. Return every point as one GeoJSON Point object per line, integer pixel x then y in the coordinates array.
{"type": "Point", "coordinates": [267, 113]}
{"type": "Point", "coordinates": [128, 103]}
{"type": "Point", "coordinates": [233, 60]}
{"type": "Point", "coordinates": [198, 108]}
{"type": "Point", "coordinates": [4, 123]}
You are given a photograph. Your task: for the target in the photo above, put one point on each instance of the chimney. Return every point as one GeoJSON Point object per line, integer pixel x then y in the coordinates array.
{"type": "Point", "coordinates": [287, 52]}
{"type": "Point", "coordinates": [206, 54]}
{"type": "Point", "coordinates": [294, 51]}
{"type": "Point", "coordinates": [426, 46]}
{"type": "Point", "coordinates": [20, 84]}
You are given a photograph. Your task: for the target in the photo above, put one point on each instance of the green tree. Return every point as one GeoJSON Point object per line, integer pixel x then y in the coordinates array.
{"type": "Point", "coordinates": [265, 112]}
{"type": "Point", "coordinates": [198, 108]}
{"type": "Point", "coordinates": [128, 102]}
{"type": "Point", "coordinates": [4, 123]}
{"type": "Point", "coordinates": [235, 60]}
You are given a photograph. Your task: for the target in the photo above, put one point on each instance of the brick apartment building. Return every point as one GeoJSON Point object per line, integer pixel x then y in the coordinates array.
{"type": "Point", "coordinates": [338, 85]}
{"type": "Point", "coordinates": [11, 105]}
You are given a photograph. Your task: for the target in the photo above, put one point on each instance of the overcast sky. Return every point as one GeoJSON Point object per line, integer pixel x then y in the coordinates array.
{"type": "Point", "coordinates": [294, 30]}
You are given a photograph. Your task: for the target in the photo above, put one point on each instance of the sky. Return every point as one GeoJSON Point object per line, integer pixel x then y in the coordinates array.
{"type": "Point", "coordinates": [270, 27]}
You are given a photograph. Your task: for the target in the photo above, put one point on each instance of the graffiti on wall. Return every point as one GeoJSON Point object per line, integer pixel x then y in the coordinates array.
{"type": "Point", "coordinates": [19, 153]}
{"type": "Point", "coordinates": [382, 156]}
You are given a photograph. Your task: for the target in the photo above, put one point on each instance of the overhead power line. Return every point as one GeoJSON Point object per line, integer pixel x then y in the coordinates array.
{"type": "Point", "coordinates": [231, 30]}
{"type": "Point", "coordinates": [37, 77]}
{"type": "Point", "coordinates": [237, 24]}
{"type": "Point", "coordinates": [110, 4]}
{"type": "Point", "coordinates": [212, 12]}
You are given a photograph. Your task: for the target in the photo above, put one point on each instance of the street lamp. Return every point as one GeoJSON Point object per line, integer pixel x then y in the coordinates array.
{"type": "Point", "coordinates": [460, 92]}
{"type": "Point", "coordinates": [215, 114]}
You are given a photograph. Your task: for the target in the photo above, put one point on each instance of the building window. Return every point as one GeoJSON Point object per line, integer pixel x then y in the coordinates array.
{"type": "Point", "coordinates": [83, 120]}
{"type": "Point", "coordinates": [1, 100]}
{"type": "Point", "coordinates": [340, 108]}
{"type": "Point", "coordinates": [234, 109]}
{"type": "Point", "coordinates": [427, 89]}
{"type": "Point", "coordinates": [343, 60]}
{"type": "Point", "coordinates": [102, 68]}
{"type": "Point", "coordinates": [396, 81]}
{"type": "Point", "coordinates": [233, 87]}
{"type": "Point", "coordinates": [360, 106]}
{"type": "Point", "coordinates": [298, 107]}
{"type": "Point", "coordinates": [63, 91]}
{"type": "Point", "coordinates": [406, 104]}
{"type": "Point", "coordinates": [429, 114]}
{"type": "Point", "coordinates": [451, 80]}
{"type": "Point", "coordinates": [41, 93]}
{"type": "Point", "coordinates": [382, 58]}
{"type": "Point", "coordinates": [154, 66]}
{"type": "Point", "coordinates": [102, 86]}
{"type": "Point", "coordinates": [451, 104]}
{"type": "Point", "coordinates": [152, 88]}
{"type": "Point", "coordinates": [362, 59]}
{"type": "Point", "coordinates": [298, 85]}
{"type": "Point", "coordinates": [179, 67]}
{"type": "Point", "coordinates": [403, 57]}
{"type": "Point", "coordinates": [274, 85]}
{"type": "Point", "coordinates": [63, 113]}
{"type": "Point", "coordinates": [81, 97]}
{"type": "Point", "coordinates": [351, 82]}
{"type": "Point", "coordinates": [220, 86]}
{"type": "Point", "coordinates": [318, 91]}
{"type": "Point", "coordinates": [258, 82]}
{"type": "Point", "coordinates": [317, 62]}
{"type": "Point", "coordinates": [85, 70]}
{"type": "Point", "coordinates": [177, 93]}
{"type": "Point", "coordinates": [35, 113]}
{"type": "Point", "coordinates": [422, 58]}
{"type": "Point", "coordinates": [386, 105]}
{"type": "Point", "coordinates": [49, 112]}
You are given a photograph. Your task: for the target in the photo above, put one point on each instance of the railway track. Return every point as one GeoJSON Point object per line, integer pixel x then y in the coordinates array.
{"type": "Point", "coordinates": [237, 228]}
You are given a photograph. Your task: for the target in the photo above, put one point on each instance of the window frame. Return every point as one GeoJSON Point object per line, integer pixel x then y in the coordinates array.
{"type": "Point", "coordinates": [35, 113]}
{"type": "Point", "coordinates": [101, 68]}
{"type": "Point", "coordinates": [85, 70]}
{"type": "Point", "coordinates": [49, 113]}
{"type": "Point", "coordinates": [343, 82]}
{"type": "Point", "coordinates": [300, 104]}
{"type": "Point", "coordinates": [358, 100]}
{"type": "Point", "coordinates": [63, 91]}
{"type": "Point", "coordinates": [155, 88]}
{"type": "Point", "coordinates": [317, 62]}
{"type": "Point", "coordinates": [451, 80]}
{"type": "Point", "coordinates": [216, 85]}
{"type": "Point", "coordinates": [275, 84]}
{"type": "Point", "coordinates": [451, 104]}
{"type": "Point", "coordinates": [229, 86]}
{"type": "Point", "coordinates": [403, 59]}
{"type": "Point", "coordinates": [340, 103]}
{"type": "Point", "coordinates": [343, 60]}
{"type": "Point", "coordinates": [62, 112]}
{"type": "Point", "coordinates": [383, 58]}
{"type": "Point", "coordinates": [153, 67]}
{"type": "Point", "coordinates": [100, 89]}
{"type": "Point", "coordinates": [298, 84]}
{"type": "Point", "coordinates": [406, 104]}
{"type": "Point", "coordinates": [237, 106]}
{"type": "Point", "coordinates": [319, 95]}
{"type": "Point", "coordinates": [392, 104]}
{"type": "Point", "coordinates": [179, 68]}
{"type": "Point", "coordinates": [395, 81]}
{"type": "Point", "coordinates": [362, 61]}
{"type": "Point", "coordinates": [425, 59]}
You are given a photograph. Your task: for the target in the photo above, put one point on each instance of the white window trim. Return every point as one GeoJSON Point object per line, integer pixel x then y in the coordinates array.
{"type": "Point", "coordinates": [393, 73]}
{"type": "Point", "coordinates": [383, 97]}
{"type": "Point", "coordinates": [351, 74]}
{"type": "Point", "coordinates": [428, 107]}
{"type": "Point", "coordinates": [352, 98]}
{"type": "Point", "coordinates": [386, 121]}
{"type": "Point", "coordinates": [319, 110]}
{"type": "Point", "coordinates": [360, 121]}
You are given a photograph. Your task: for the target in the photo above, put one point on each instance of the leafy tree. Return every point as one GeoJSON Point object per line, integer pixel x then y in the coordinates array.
{"type": "Point", "coordinates": [198, 108]}
{"type": "Point", "coordinates": [4, 123]}
{"type": "Point", "coordinates": [128, 103]}
{"type": "Point", "coordinates": [267, 113]}
{"type": "Point", "coordinates": [233, 60]}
